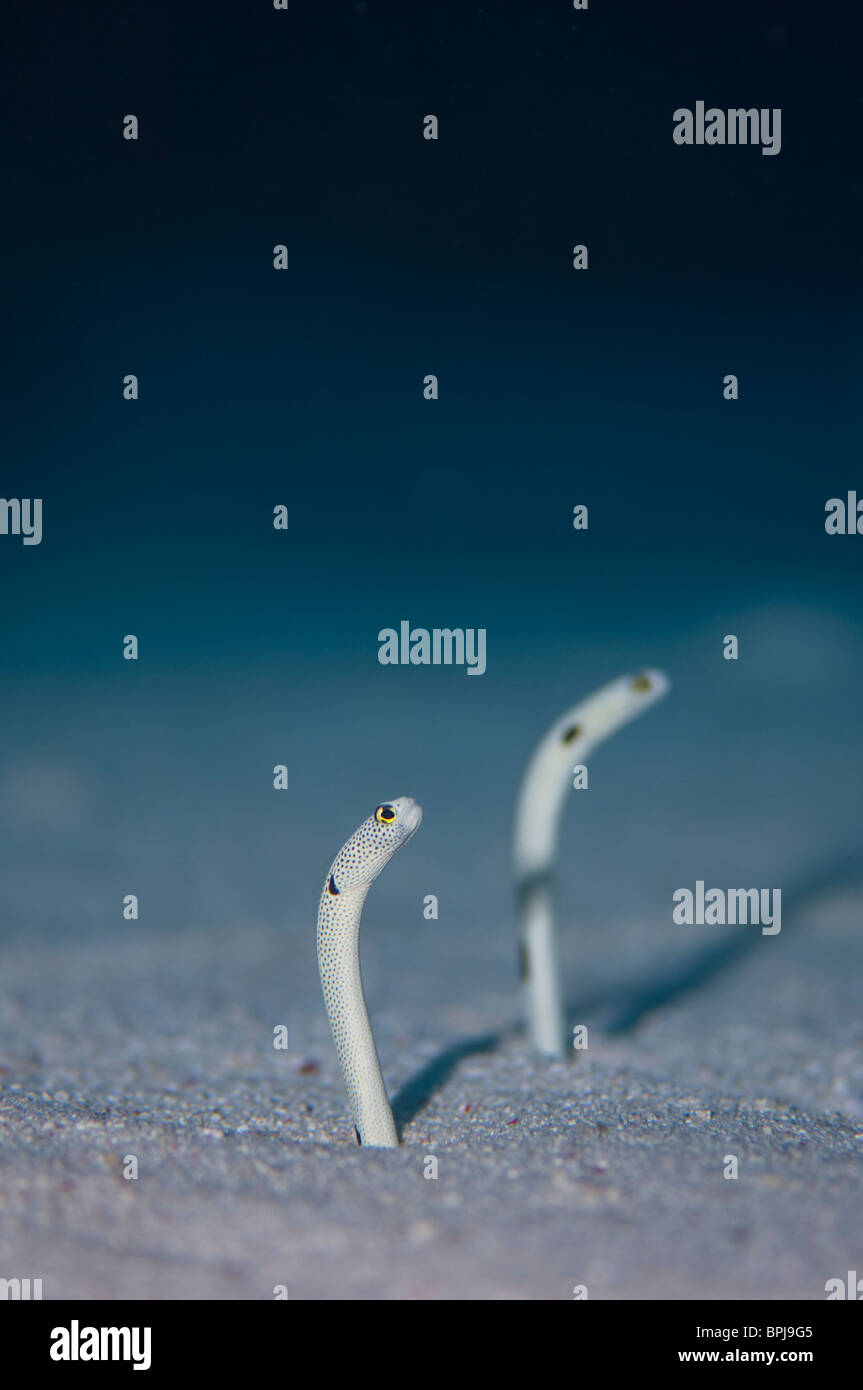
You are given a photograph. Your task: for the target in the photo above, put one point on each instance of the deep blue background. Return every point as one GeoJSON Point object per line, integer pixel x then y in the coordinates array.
{"type": "Point", "coordinates": [305, 388]}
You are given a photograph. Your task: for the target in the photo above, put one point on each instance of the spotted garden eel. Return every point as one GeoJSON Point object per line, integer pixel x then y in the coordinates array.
{"type": "Point", "coordinates": [570, 740]}
{"type": "Point", "coordinates": [351, 875]}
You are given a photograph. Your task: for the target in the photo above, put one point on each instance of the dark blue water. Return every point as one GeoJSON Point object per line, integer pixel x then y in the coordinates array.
{"type": "Point", "coordinates": [304, 388]}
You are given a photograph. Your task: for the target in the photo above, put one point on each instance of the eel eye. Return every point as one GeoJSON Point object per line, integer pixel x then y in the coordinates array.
{"type": "Point", "coordinates": [385, 815]}
{"type": "Point", "coordinates": [641, 683]}
{"type": "Point", "coordinates": [571, 734]}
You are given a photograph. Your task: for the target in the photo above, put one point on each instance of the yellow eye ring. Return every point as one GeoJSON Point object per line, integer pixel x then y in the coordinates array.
{"type": "Point", "coordinates": [385, 815]}
{"type": "Point", "coordinates": [641, 683]}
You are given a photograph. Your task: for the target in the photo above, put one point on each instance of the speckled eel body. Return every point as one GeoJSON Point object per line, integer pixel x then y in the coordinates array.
{"type": "Point", "coordinates": [351, 875]}
{"type": "Point", "coordinates": [570, 741]}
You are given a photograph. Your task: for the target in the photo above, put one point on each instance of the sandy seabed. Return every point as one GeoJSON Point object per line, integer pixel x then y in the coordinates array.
{"type": "Point", "coordinates": [605, 1171]}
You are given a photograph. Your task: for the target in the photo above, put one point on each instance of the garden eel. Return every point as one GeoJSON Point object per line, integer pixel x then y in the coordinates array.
{"type": "Point", "coordinates": [351, 875]}
{"type": "Point", "coordinates": [570, 740]}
